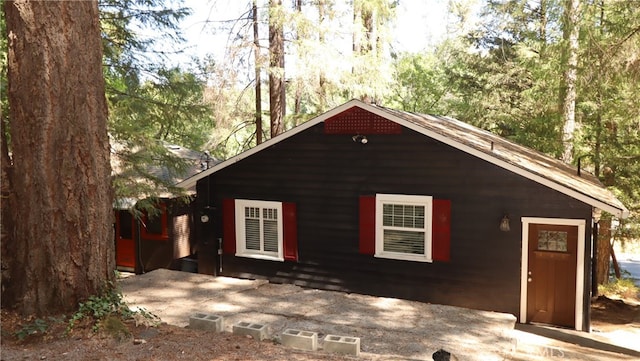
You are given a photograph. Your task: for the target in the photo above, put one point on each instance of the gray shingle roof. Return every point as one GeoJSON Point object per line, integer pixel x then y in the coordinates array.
{"type": "Point", "coordinates": [513, 157]}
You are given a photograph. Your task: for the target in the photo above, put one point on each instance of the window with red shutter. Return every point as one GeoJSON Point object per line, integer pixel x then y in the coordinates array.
{"type": "Point", "coordinates": [441, 230]}
{"type": "Point", "coordinates": [228, 226]}
{"type": "Point", "coordinates": [290, 231]}
{"type": "Point", "coordinates": [405, 227]}
{"type": "Point", "coordinates": [260, 229]}
{"type": "Point", "coordinates": [368, 225]}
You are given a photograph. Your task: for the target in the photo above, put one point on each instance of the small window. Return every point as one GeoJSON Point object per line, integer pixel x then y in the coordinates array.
{"type": "Point", "coordinates": [125, 224]}
{"type": "Point", "coordinates": [402, 227]}
{"type": "Point", "coordinates": [555, 241]}
{"type": "Point", "coordinates": [155, 226]}
{"type": "Point", "coordinates": [259, 229]}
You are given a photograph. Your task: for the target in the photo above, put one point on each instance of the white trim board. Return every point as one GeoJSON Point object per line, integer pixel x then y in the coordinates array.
{"type": "Point", "coordinates": [581, 224]}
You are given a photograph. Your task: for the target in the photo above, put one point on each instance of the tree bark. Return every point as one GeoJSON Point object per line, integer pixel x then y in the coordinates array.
{"type": "Point", "coordinates": [322, 92]}
{"type": "Point", "coordinates": [277, 99]}
{"type": "Point", "coordinates": [62, 247]}
{"type": "Point", "coordinates": [571, 32]}
{"type": "Point", "coordinates": [603, 253]}
{"type": "Point", "coordinates": [258, 88]}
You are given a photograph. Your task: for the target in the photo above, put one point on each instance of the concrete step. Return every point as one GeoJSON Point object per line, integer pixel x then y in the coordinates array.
{"type": "Point", "coordinates": [533, 343]}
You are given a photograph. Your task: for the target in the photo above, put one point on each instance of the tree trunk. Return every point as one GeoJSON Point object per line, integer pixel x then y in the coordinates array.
{"type": "Point", "coordinates": [322, 92]}
{"type": "Point", "coordinates": [571, 31]}
{"type": "Point", "coordinates": [256, 52]}
{"type": "Point", "coordinates": [603, 252]}
{"type": "Point", "coordinates": [62, 247]}
{"type": "Point", "coordinates": [277, 100]}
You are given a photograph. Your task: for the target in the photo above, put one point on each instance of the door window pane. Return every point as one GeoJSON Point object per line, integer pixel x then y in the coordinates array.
{"type": "Point", "coordinates": [552, 241]}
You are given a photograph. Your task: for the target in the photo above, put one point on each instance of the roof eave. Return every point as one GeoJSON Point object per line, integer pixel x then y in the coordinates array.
{"type": "Point", "coordinates": [616, 210]}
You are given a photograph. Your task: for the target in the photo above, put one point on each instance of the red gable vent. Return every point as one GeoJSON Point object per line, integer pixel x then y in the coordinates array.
{"type": "Point", "coordinates": [359, 121]}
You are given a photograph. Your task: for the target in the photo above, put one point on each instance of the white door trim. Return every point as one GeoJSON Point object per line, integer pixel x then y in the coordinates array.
{"type": "Point", "coordinates": [581, 224]}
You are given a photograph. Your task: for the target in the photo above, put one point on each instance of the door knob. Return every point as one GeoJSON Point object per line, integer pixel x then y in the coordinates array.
{"type": "Point", "coordinates": [529, 273]}
{"type": "Point", "coordinates": [529, 279]}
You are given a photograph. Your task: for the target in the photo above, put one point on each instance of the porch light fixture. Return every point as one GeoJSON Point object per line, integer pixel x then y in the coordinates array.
{"type": "Point", "coordinates": [504, 224]}
{"type": "Point", "coordinates": [596, 214]}
{"type": "Point", "coordinates": [360, 139]}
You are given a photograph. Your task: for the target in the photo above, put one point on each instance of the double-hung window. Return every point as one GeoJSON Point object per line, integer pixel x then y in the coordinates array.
{"type": "Point", "coordinates": [259, 229]}
{"type": "Point", "coordinates": [403, 227]}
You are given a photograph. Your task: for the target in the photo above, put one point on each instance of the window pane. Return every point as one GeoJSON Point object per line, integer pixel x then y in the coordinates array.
{"type": "Point", "coordinates": [126, 224]}
{"type": "Point", "coordinates": [270, 236]}
{"type": "Point", "coordinates": [552, 241]}
{"type": "Point", "coordinates": [387, 215]}
{"type": "Point", "coordinates": [252, 233]}
{"type": "Point", "coordinates": [403, 216]}
{"type": "Point", "coordinates": [154, 224]}
{"type": "Point", "coordinates": [270, 213]}
{"type": "Point", "coordinates": [403, 241]}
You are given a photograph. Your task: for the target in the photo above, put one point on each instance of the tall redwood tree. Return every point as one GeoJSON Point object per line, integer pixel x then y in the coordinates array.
{"type": "Point", "coordinates": [58, 244]}
{"type": "Point", "coordinates": [277, 93]}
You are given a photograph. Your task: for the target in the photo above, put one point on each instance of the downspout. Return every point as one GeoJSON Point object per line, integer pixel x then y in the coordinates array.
{"type": "Point", "coordinates": [594, 259]}
{"type": "Point", "coordinates": [219, 256]}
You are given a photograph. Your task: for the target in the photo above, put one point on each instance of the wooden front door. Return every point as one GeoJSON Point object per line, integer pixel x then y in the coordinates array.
{"type": "Point", "coordinates": [125, 241]}
{"type": "Point", "coordinates": [551, 275]}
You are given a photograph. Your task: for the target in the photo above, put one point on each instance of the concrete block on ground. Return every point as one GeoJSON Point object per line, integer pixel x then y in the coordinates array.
{"type": "Point", "coordinates": [207, 322]}
{"type": "Point", "coordinates": [302, 340]}
{"type": "Point", "coordinates": [256, 330]}
{"type": "Point", "coordinates": [345, 345]}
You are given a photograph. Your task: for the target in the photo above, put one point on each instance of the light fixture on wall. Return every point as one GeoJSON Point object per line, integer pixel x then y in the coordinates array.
{"type": "Point", "coordinates": [596, 214]}
{"type": "Point", "coordinates": [504, 224]}
{"type": "Point", "coordinates": [358, 138]}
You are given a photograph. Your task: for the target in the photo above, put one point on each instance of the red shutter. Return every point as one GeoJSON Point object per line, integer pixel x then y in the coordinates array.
{"type": "Point", "coordinates": [290, 231]}
{"type": "Point", "coordinates": [368, 225]}
{"type": "Point", "coordinates": [441, 230]}
{"type": "Point", "coordinates": [229, 226]}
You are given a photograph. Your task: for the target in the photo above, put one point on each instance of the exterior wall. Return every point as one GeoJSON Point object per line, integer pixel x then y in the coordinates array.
{"type": "Point", "coordinates": [160, 250]}
{"type": "Point", "coordinates": [325, 175]}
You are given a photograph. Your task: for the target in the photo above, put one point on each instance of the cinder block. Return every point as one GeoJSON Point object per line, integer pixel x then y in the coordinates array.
{"type": "Point", "coordinates": [256, 330]}
{"type": "Point", "coordinates": [302, 340]}
{"type": "Point", "coordinates": [203, 321]}
{"type": "Point", "coordinates": [342, 344]}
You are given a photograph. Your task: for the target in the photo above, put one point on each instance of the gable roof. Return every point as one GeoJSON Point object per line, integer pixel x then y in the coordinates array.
{"type": "Point", "coordinates": [194, 163]}
{"type": "Point", "coordinates": [487, 146]}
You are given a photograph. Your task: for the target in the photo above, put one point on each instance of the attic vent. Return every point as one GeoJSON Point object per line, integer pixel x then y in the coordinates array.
{"type": "Point", "coordinates": [360, 121]}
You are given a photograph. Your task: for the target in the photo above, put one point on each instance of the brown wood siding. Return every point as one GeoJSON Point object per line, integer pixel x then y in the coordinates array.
{"type": "Point", "coordinates": [325, 174]}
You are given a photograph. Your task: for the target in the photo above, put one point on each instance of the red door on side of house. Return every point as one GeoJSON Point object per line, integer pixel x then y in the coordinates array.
{"type": "Point", "coordinates": [125, 241]}
{"type": "Point", "coordinates": [551, 292]}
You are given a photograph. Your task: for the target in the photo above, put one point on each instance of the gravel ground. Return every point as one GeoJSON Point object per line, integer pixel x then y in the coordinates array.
{"type": "Point", "coordinates": [386, 326]}
{"type": "Point", "coordinates": [389, 329]}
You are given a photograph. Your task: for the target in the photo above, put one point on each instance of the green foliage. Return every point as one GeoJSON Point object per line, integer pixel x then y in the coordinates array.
{"type": "Point", "coordinates": [99, 308]}
{"type": "Point", "coordinates": [420, 85]}
{"type": "Point", "coordinates": [151, 106]}
{"type": "Point", "coordinates": [620, 288]}
{"type": "Point", "coordinates": [38, 326]}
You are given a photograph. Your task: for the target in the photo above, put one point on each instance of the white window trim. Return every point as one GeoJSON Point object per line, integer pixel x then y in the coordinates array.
{"type": "Point", "coordinates": [427, 202]}
{"type": "Point", "coordinates": [241, 248]}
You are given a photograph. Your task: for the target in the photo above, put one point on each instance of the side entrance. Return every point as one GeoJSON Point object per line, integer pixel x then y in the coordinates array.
{"type": "Point", "coordinates": [552, 271]}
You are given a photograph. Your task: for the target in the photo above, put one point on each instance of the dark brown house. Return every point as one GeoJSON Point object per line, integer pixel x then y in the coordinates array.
{"type": "Point", "coordinates": [371, 200]}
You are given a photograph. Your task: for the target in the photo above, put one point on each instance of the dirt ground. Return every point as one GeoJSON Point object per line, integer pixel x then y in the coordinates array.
{"type": "Point", "coordinates": [141, 343]}
{"type": "Point", "coordinates": [167, 342]}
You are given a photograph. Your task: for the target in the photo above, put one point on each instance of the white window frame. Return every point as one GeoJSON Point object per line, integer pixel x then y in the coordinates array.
{"type": "Point", "coordinates": [241, 244]}
{"type": "Point", "coordinates": [427, 202]}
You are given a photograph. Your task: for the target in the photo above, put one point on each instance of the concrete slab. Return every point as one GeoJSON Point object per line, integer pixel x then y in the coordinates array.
{"type": "Point", "coordinates": [388, 328]}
